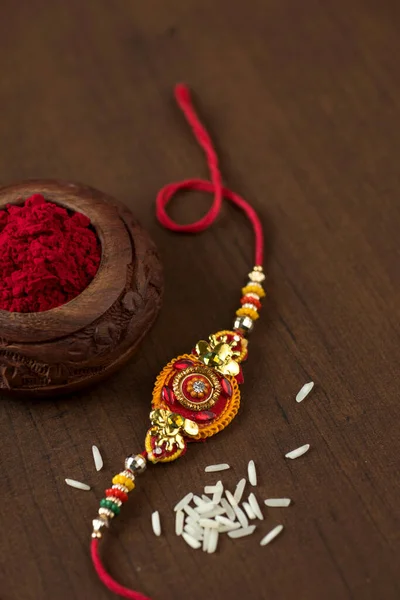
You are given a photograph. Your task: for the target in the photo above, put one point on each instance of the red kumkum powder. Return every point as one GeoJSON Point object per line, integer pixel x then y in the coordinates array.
{"type": "Point", "coordinates": [48, 255]}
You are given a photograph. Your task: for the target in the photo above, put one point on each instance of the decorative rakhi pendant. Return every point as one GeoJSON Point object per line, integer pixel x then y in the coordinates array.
{"type": "Point", "coordinates": [196, 395]}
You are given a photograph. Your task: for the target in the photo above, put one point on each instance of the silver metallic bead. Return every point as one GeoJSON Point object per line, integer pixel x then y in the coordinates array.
{"type": "Point", "coordinates": [99, 524]}
{"type": "Point", "coordinates": [136, 463]}
{"type": "Point", "coordinates": [244, 323]}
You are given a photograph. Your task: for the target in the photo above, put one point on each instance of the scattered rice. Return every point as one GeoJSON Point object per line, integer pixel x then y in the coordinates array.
{"type": "Point", "coordinates": [77, 484]}
{"type": "Point", "coordinates": [191, 541]}
{"type": "Point", "coordinates": [219, 490]}
{"type": "Point", "coordinates": [238, 533]}
{"type": "Point", "coordinates": [156, 523]}
{"type": "Point", "coordinates": [241, 516]}
{"type": "Point", "coordinates": [210, 489]}
{"type": "Point", "coordinates": [298, 452]}
{"type": "Point", "coordinates": [217, 510]}
{"type": "Point", "coordinates": [198, 501]}
{"type": "Point", "coordinates": [228, 509]}
{"type": "Point", "coordinates": [205, 507]}
{"type": "Point", "coordinates": [179, 521]}
{"type": "Point", "coordinates": [305, 390]}
{"type": "Point", "coordinates": [227, 522]}
{"type": "Point", "coordinates": [185, 500]}
{"type": "Point", "coordinates": [206, 538]}
{"type": "Point", "coordinates": [98, 461]}
{"type": "Point", "coordinates": [215, 468]}
{"type": "Point", "coordinates": [190, 511]}
{"type": "Point", "coordinates": [252, 473]}
{"type": "Point", "coordinates": [212, 541]}
{"type": "Point", "coordinates": [239, 490]}
{"type": "Point", "coordinates": [231, 498]}
{"type": "Point", "coordinates": [271, 535]}
{"type": "Point", "coordinates": [195, 532]}
{"type": "Point", "coordinates": [277, 501]}
{"type": "Point", "coordinates": [248, 510]}
{"type": "Point", "coordinates": [206, 498]}
{"type": "Point", "coordinates": [255, 507]}
{"type": "Point", "coordinates": [208, 523]}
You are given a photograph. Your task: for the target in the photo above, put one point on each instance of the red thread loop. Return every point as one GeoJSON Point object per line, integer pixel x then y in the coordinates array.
{"type": "Point", "coordinates": [214, 186]}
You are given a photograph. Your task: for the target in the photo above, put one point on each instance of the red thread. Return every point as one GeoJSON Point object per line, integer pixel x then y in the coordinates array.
{"type": "Point", "coordinates": [108, 581]}
{"type": "Point", "coordinates": [47, 255]}
{"type": "Point", "coordinates": [214, 186]}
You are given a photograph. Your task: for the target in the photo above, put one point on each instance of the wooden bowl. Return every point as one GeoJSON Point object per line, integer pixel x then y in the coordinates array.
{"type": "Point", "coordinates": [85, 340]}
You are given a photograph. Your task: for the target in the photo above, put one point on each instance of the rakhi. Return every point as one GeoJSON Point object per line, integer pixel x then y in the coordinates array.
{"type": "Point", "coordinates": [197, 394]}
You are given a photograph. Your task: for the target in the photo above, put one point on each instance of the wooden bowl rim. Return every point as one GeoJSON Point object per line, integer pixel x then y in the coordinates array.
{"type": "Point", "coordinates": [92, 302]}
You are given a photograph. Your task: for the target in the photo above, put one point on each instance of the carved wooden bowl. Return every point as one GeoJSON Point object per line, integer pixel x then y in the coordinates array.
{"type": "Point", "coordinates": [85, 340]}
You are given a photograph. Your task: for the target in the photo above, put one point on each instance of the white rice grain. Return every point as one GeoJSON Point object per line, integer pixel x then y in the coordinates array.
{"type": "Point", "coordinates": [210, 489]}
{"type": "Point", "coordinates": [77, 484]}
{"type": "Point", "coordinates": [239, 490]}
{"type": "Point", "coordinates": [271, 535]}
{"type": "Point", "coordinates": [241, 516]}
{"type": "Point", "coordinates": [179, 521]}
{"type": "Point", "coordinates": [98, 460]}
{"type": "Point", "coordinates": [206, 538]}
{"type": "Point", "coordinates": [277, 502]}
{"type": "Point", "coordinates": [228, 509]}
{"type": "Point", "coordinates": [238, 533]}
{"type": "Point", "coordinates": [205, 507]}
{"type": "Point", "coordinates": [156, 523]}
{"type": "Point", "coordinates": [212, 541]}
{"type": "Point", "coordinates": [305, 390]}
{"type": "Point", "coordinates": [298, 451]}
{"type": "Point", "coordinates": [252, 473]}
{"type": "Point", "coordinates": [215, 468]}
{"type": "Point", "coordinates": [185, 500]}
{"type": "Point", "coordinates": [227, 522]}
{"type": "Point", "coordinates": [255, 507]}
{"type": "Point", "coordinates": [195, 532]}
{"type": "Point", "coordinates": [205, 498]}
{"type": "Point", "coordinates": [231, 498]}
{"type": "Point", "coordinates": [208, 523]}
{"type": "Point", "coordinates": [191, 541]}
{"type": "Point", "coordinates": [197, 500]}
{"type": "Point", "coordinates": [219, 490]}
{"type": "Point", "coordinates": [190, 511]}
{"type": "Point", "coordinates": [248, 510]}
{"type": "Point", "coordinates": [217, 510]}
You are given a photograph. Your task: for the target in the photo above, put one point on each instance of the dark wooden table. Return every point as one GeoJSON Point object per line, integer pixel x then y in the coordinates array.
{"type": "Point", "coordinates": [303, 99]}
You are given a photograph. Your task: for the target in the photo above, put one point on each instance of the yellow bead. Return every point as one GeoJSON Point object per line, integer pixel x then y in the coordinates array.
{"type": "Point", "coordinates": [253, 289]}
{"type": "Point", "coordinates": [247, 312]}
{"type": "Point", "coordinates": [118, 479]}
{"type": "Point", "coordinates": [128, 483]}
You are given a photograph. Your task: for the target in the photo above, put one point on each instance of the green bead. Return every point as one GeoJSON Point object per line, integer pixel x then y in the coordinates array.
{"type": "Point", "coordinates": [106, 503]}
{"type": "Point", "coordinates": [115, 508]}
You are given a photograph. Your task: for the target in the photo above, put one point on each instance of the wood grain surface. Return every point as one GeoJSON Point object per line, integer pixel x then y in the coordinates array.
{"type": "Point", "coordinates": [303, 100]}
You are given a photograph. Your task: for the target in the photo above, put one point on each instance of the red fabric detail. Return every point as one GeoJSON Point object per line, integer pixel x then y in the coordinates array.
{"type": "Point", "coordinates": [106, 578]}
{"type": "Point", "coordinates": [250, 300]}
{"type": "Point", "coordinates": [214, 186]}
{"type": "Point", "coordinates": [47, 256]}
{"type": "Point", "coordinates": [240, 377]}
